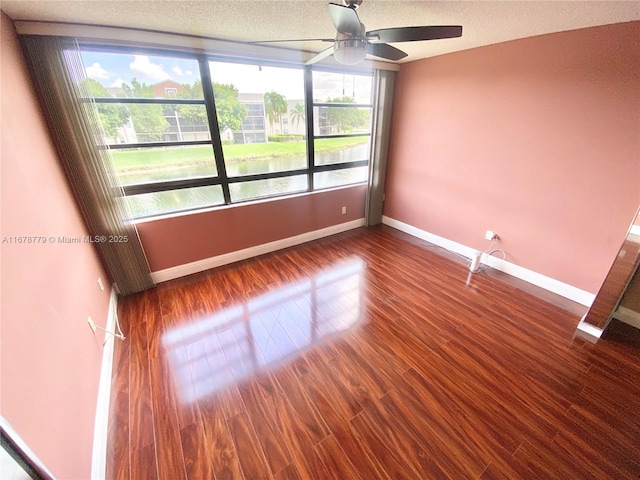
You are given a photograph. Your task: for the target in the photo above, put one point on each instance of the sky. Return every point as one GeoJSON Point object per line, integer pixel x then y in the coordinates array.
{"type": "Point", "coordinates": [113, 69]}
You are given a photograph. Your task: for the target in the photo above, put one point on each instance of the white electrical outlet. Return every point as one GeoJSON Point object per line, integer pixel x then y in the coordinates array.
{"type": "Point", "coordinates": [344, 210]}
{"type": "Point", "coordinates": [100, 284]}
{"type": "Point", "coordinates": [490, 235]}
{"type": "Point", "coordinates": [92, 325]}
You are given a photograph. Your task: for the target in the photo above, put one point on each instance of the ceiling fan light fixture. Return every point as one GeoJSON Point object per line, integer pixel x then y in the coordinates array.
{"type": "Point", "coordinates": [350, 51]}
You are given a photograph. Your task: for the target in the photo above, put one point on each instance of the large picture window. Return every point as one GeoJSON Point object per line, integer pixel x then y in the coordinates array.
{"type": "Point", "coordinates": [257, 139]}
{"type": "Point", "coordinates": [188, 132]}
{"type": "Point", "coordinates": [341, 127]}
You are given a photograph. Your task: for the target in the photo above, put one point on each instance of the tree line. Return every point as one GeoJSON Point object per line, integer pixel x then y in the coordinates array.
{"type": "Point", "coordinates": [150, 122]}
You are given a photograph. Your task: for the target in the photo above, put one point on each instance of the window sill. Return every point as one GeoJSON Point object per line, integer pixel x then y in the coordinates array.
{"type": "Point", "coordinates": [197, 211]}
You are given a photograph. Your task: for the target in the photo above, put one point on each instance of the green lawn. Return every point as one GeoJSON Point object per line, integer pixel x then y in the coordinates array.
{"type": "Point", "coordinates": [202, 154]}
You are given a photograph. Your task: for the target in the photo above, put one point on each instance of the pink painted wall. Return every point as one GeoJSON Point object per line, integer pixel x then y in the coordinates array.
{"type": "Point", "coordinates": [50, 360]}
{"type": "Point", "coordinates": [175, 241]}
{"type": "Point", "coordinates": [537, 139]}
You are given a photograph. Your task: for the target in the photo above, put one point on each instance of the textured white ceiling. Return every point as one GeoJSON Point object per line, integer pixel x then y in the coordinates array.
{"type": "Point", "coordinates": [484, 22]}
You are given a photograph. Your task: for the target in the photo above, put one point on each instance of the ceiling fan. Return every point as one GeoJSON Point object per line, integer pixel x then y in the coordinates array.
{"type": "Point", "coordinates": [353, 42]}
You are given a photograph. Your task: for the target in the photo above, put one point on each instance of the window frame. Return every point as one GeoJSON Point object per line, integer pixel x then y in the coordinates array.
{"type": "Point", "coordinates": [221, 178]}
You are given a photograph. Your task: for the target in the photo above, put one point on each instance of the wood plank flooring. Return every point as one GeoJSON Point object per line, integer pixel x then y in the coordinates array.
{"type": "Point", "coordinates": [366, 356]}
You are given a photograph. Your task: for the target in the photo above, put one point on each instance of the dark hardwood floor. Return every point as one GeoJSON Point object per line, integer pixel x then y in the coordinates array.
{"type": "Point", "coordinates": [366, 356]}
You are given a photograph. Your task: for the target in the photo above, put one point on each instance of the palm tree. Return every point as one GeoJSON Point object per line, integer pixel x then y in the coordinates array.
{"type": "Point", "coordinates": [275, 105]}
{"type": "Point", "coordinates": [297, 114]}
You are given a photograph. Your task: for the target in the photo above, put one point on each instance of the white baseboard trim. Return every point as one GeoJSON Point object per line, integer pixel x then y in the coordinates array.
{"type": "Point", "coordinates": [560, 288]}
{"type": "Point", "coordinates": [99, 453]}
{"type": "Point", "coordinates": [219, 260]}
{"type": "Point", "coordinates": [589, 329]}
{"type": "Point", "coordinates": [628, 316]}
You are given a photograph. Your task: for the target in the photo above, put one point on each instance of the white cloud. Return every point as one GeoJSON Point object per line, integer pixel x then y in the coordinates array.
{"type": "Point", "coordinates": [182, 73]}
{"type": "Point", "coordinates": [117, 83]}
{"type": "Point", "coordinates": [148, 70]}
{"type": "Point", "coordinates": [96, 72]}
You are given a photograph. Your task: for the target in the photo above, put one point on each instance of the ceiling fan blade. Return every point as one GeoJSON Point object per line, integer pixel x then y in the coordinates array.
{"type": "Point", "coordinates": [385, 51]}
{"type": "Point", "coordinates": [294, 40]}
{"type": "Point", "coordinates": [413, 34]}
{"type": "Point", "coordinates": [345, 19]}
{"type": "Point", "coordinates": [321, 56]}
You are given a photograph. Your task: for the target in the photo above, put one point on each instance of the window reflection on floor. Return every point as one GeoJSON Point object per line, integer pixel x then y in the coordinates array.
{"type": "Point", "coordinates": [211, 352]}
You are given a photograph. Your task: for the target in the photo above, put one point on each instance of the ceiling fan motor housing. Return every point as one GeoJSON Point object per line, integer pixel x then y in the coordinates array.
{"type": "Point", "coordinates": [353, 3]}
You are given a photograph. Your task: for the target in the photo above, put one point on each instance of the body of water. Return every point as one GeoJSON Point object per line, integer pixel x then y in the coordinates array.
{"type": "Point", "coordinates": [185, 199]}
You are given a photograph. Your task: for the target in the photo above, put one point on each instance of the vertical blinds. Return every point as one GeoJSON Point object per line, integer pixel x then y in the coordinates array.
{"type": "Point", "coordinates": [58, 74]}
